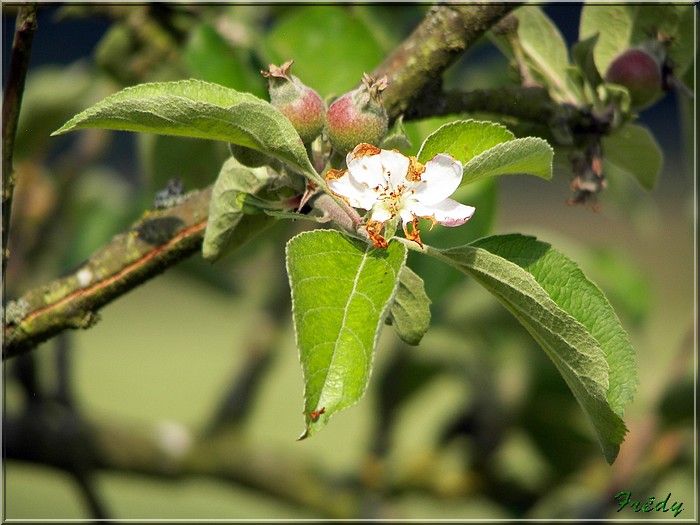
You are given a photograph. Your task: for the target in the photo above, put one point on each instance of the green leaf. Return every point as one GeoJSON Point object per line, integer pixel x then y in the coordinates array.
{"type": "Point", "coordinates": [341, 293]}
{"type": "Point", "coordinates": [633, 149]}
{"type": "Point", "coordinates": [463, 139]}
{"type": "Point", "coordinates": [567, 315]}
{"type": "Point", "coordinates": [410, 311]}
{"type": "Point", "coordinates": [623, 26]}
{"type": "Point", "coordinates": [488, 149]}
{"type": "Point", "coordinates": [331, 47]}
{"type": "Point", "coordinates": [192, 108]}
{"type": "Point", "coordinates": [564, 281]}
{"type": "Point", "coordinates": [545, 51]}
{"type": "Point", "coordinates": [226, 210]}
{"type": "Point", "coordinates": [527, 155]}
{"type": "Point", "coordinates": [613, 25]}
{"type": "Point", "coordinates": [582, 53]}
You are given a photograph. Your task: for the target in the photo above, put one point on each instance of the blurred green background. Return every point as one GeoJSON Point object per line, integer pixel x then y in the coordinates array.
{"type": "Point", "coordinates": [475, 423]}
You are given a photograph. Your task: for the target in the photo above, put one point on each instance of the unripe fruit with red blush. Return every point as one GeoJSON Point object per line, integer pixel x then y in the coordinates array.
{"type": "Point", "coordinates": [640, 73]}
{"type": "Point", "coordinates": [302, 105]}
{"type": "Point", "coordinates": [358, 117]}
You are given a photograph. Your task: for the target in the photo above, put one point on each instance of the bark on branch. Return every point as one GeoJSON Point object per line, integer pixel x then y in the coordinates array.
{"type": "Point", "coordinates": [160, 239]}
{"type": "Point", "coordinates": [415, 68]}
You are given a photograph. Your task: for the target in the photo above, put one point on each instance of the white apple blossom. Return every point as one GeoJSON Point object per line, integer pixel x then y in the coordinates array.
{"type": "Point", "coordinates": [390, 184]}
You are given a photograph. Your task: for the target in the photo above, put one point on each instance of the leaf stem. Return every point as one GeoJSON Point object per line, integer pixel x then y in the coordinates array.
{"type": "Point", "coordinates": [19, 64]}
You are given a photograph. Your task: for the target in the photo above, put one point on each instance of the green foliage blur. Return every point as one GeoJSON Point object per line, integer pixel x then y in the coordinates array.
{"type": "Point", "coordinates": [474, 423]}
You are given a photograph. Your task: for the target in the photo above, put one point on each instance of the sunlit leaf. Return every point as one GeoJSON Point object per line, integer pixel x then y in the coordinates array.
{"type": "Point", "coordinates": [564, 281]}
{"type": "Point", "coordinates": [192, 108]}
{"type": "Point", "coordinates": [341, 293]}
{"type": "Point", "coordinates": [463, 139]}
{"type": "Point", "coordinates": [567, 315]}
{"type": "Point", "coordinates": [487, 149]}
{"type": "Point", "coordinates": [527, 155]}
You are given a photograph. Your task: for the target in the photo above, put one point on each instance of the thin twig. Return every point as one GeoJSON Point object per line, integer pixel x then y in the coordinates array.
{"type": "Point", "coordinates": [12, 102]}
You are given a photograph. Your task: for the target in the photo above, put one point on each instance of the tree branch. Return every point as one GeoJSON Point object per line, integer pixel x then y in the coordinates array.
{"type": "Point", "coordinates": [526, 103]}
{"type": "Point", "coordinates": [160, 239]}
{"type": "Point", "coordinates": [443, 35]}
{"type": "Point", "coordinates": [529, 104]}
{"type": "Point", "coordinates": [19, 63]}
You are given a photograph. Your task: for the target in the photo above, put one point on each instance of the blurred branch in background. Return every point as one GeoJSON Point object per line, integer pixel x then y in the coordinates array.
{"type": "Point", "coordinates": [51, 429]}
{"type": "Point", "coordinates": [12, 102]}
{"type": "Point", "coordinates": [50, 433]}
{"type": "Point", "coordinates": [264, 339]}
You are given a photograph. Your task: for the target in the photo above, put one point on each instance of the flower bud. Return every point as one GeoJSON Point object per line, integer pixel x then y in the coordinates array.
{"type": "Point", "coordinates": [358, 116]}
{"type": "Point", "coordinates": [640, 72]}
{"type": "Point", "coordinates": [303, 106]}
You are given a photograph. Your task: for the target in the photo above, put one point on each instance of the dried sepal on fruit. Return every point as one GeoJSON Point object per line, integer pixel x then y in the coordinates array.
{"type": "Point", "coordinates": [358, 116]}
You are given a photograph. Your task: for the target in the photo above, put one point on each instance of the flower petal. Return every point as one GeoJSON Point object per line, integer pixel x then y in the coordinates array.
{"type": "Point", "coordinates": [440, 180]}
{"type": "Point", "coordinates": [357, 195]}
{"type": "Point", "coordinates": [448, 212]}
{"type": "Point", "coordinates": [406, 215]}
{"type": "Point", "coordinates": [366, 169]}
{"type": "Point", "coordinates": [380, 213]}
{"type": "Point", "coordinates": [395, 167]}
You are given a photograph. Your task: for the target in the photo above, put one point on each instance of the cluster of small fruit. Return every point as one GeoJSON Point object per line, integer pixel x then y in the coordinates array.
{"type": "Point", "coordinates": [355, 117]}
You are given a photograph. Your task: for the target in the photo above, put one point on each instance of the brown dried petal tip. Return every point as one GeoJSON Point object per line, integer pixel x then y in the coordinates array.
{"type": "Point", "coordinates": [335, 174]}
{"type": "Point", "coordinates": [365, 150]}
{"type": "Point", "coordinates": [374, 230]}
{"type": "Point", "coordinates": [415, 169]}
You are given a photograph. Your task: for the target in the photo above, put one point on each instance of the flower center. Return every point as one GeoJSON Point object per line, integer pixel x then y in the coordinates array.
{"type": "Point", "coordinates": [392, 198]}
